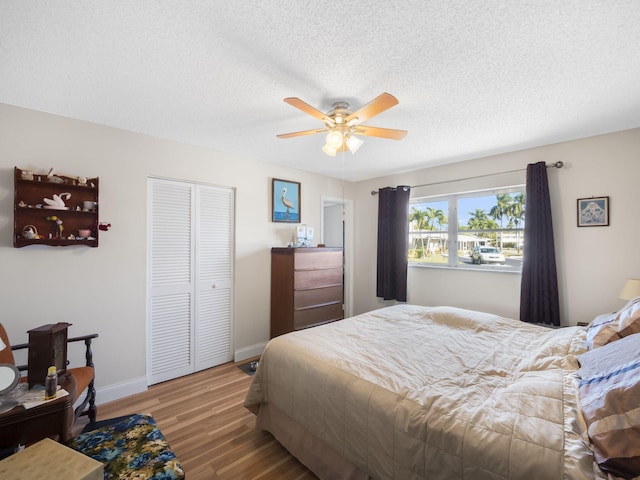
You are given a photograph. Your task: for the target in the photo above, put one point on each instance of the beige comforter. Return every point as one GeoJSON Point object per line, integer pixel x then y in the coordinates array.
{"type": "Point", "coordinates": [410, 392]}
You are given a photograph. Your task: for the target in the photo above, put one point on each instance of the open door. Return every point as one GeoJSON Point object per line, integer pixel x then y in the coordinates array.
{"type": "Point", "coordinates": [337, 231]}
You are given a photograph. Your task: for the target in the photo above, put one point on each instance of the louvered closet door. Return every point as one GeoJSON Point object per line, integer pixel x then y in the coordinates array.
{"type": "Point", "coordinates": [214, 249]}
{"type": "Point", "coordinates": [190, 271]}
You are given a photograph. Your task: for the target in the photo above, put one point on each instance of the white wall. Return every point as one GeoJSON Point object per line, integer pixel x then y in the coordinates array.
{"type": "Point", "coordinates": [593, 262]}
{"type": "Point", "coordinates": [103, 289]}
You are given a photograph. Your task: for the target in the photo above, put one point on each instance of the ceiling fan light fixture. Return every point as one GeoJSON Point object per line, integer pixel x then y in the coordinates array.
{"type": "Point", "coordinates": [341, 123]}
{"type": "Point", "coordinates": [334, 139]}
{"type": "Point", "coordinates": [353, 143]}
{"type": "Point", "coordinates": [329, 150]}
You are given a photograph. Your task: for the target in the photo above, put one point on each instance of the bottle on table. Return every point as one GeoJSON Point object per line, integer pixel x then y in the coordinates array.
{"type": "Point", "coordinates": [51, 383]}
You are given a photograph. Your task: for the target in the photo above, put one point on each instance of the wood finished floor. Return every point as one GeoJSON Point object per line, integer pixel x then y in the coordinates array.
{"type": "Point", "coordinates": [211, 433]}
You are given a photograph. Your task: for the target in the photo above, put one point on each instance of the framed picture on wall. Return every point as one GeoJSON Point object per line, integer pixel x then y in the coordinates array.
{"type": "Point", "coordinates": [285, 201]}
{"type": "Point", "coordinates": [593, 212]}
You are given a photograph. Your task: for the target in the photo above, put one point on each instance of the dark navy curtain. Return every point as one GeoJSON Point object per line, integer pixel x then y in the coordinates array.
{"type": "Point", "coordinates": [393, 243]}
{"type": "Point", "coordinates": [539, 287]}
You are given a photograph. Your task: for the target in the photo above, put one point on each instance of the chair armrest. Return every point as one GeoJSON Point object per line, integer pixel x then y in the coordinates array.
{"type": "Point", "coordinates": [87, 342]}
{"type": "Point", "coordinates": [83, 338]}
{"type": "Point", "coordinates": [21, 346]}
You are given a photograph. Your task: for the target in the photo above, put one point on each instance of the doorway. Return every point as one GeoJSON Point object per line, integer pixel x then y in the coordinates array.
{"type": "Point", "coordinates": [337, 231]}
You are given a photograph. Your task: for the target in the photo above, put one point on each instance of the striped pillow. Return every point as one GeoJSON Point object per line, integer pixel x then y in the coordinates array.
{"type": "Point", "coordinates": [612, 326]}
{"type": "Point", "coordinates": [601, 330]}
{"type": "Point", "coordinates": [610, 404]}
{"type": "Point", "coordinates": [629, 318]}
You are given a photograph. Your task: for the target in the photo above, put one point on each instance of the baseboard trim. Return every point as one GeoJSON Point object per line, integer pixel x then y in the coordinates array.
{"type": "Point", "coordinates": [120, 390]}
{"type": "Point", "coordinates": [249, 352]}
{"type": "Point", "coordinates": [138, 385]}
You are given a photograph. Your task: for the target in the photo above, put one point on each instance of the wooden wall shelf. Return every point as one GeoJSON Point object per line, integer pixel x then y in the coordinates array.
{"type": "Point", "coordinates": [33, 222]}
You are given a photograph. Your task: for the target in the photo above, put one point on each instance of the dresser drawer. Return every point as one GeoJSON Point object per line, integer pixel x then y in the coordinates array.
{"type": "Point", "coordinates": [312, 316]}
{"type": "Point", "coordinates": [315, 260]}
{"type": "Point", "coordinates": [317, 296]}
{"type": "Point", "coordinates": [317, 278]}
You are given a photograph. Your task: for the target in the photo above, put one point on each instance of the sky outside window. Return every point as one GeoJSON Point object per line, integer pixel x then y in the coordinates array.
{"type": "Point", "coordinates": [465, 205]}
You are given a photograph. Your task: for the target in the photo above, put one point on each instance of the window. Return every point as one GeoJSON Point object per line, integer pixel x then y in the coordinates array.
{"type": "Point", "coordinates": [480, 230]}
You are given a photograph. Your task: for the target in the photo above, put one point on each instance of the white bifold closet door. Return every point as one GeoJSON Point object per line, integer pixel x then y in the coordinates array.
{"type": "Point", "coordinates": [190, 278]}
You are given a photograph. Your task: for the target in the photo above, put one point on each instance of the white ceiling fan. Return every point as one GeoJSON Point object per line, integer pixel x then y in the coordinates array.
{"type": "Point", "coordinates": [342, 125]}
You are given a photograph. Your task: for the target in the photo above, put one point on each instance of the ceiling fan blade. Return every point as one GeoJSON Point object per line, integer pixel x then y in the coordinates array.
{"type": "Point", "coordinates": [306, 108]}
{"type": "Point", "coordinates": [382, 102]}
{"type": "Point", "coordinates": [380, 132]}
{"type": "Point", "coordinates": [304, 132]}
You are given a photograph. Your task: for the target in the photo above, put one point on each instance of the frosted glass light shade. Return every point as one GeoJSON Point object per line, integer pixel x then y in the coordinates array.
{"type": "Point", "coordinates": [329, 150]}
{"type": "Point", "coordinates": [353, 143]}
{"type": "Point", "coordinates": [631, 289]}
{"type": "Point", "coordinates": [334, 139]}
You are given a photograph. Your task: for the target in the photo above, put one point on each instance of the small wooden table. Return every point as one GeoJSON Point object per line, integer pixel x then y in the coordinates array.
{"type": "Point", "coordinates": [52, 419]}
{"type": "Point", "coordinates": [47, 460]}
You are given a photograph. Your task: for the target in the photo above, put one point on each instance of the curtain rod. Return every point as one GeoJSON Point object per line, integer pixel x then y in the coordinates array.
{"type": "Point", "coordinates": [552, 165]}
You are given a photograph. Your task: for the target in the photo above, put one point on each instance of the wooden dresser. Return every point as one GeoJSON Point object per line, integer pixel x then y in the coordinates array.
{"type": "Point", "coordinates": [306, 288]}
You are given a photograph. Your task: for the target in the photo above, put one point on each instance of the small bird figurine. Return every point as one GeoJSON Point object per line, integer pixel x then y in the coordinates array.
{"type": "Point", "coordinates": [285, 201]}
{"type": "Point", "coordinates": [53, 178]}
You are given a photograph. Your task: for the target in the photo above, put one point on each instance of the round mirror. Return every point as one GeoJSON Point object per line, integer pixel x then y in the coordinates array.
{"type": "Point", "coordinates": [9, 377]}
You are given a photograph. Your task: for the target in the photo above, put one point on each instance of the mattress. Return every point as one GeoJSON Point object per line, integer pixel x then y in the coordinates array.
{"type": "Point", "coordinates": [411, 392]}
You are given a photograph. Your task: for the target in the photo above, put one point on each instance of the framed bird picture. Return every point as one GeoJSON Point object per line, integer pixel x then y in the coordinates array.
{"type": "Point", "coordinates": [285, 198]}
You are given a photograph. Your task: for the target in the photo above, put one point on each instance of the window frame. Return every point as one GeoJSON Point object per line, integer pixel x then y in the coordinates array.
{"type": "Point", "coordinates": [453, 230]}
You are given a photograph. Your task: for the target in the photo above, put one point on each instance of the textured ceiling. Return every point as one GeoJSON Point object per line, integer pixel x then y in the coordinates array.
{"type": "Point", "coordinates": [473, 78]}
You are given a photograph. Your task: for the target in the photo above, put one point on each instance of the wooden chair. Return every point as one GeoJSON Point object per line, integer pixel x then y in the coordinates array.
{"type": "Point", "coordinates": [84, 376]}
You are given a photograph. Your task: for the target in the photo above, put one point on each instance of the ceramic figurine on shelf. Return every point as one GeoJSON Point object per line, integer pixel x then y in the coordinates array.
{"type": "Point", "coordinates": [30, 232]}
{"type": "Point", "coordinates": [57, 201]}
{"type": "Point", "coordinates": [53, 178]}
{"type": "Point", "coordinates": [58, 228]}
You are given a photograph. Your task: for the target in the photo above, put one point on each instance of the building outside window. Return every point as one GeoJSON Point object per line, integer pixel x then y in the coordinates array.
{"type": "Point", "coordinates": [479, 230]}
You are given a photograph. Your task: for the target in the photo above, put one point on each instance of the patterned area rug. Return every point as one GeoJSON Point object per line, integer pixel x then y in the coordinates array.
{"type": "Point", "coordinates": [130, 448]}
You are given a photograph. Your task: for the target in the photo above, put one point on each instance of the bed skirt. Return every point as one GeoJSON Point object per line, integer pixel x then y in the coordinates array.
{"type": "Point", "coordinates": [315, 454]}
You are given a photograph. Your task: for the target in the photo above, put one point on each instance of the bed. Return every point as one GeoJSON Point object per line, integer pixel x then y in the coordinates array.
{"type": "Point", "coordinates": [411, 392]}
